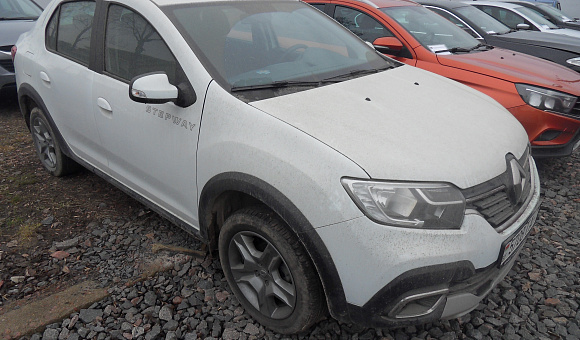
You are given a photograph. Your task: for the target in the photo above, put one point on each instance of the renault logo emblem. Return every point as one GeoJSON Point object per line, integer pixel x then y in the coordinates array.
{"type": "Point", "coordinates": [519, 181]}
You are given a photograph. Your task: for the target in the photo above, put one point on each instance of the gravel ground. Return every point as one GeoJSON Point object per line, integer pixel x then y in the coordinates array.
{"type": "Point", "coordinates": [538, 299]}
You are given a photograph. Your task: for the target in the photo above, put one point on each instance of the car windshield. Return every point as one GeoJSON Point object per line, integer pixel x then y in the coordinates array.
{"type": "Point", "coordinates": [554, 12]}
{"type": "Point", "coordinates": [432, 30]}
{"type": "Point", "coordinates": [536, 17]}
{"type": "Point", "coordinates": [257, 44]}
{"type": "Point", "coordinates": [482, 20]}
{"type": "Point", "coordinates": [19, 10]}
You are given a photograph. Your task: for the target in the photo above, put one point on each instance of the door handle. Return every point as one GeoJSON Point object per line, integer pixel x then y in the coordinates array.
{"type": "Point", "coordinates": [104, 104]}
{"type": "Point", "coordinates": [44, 77]}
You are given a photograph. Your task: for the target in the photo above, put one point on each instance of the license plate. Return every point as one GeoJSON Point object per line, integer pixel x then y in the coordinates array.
{"type": "Point", "coordinates": [511, 246]}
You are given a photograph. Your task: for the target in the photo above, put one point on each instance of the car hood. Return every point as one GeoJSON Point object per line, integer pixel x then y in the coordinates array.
{"type": "Point", "coordinates": [564, 31]}
{"type": "Point", "coordinates": [516, 68]}
{"type": "Point", "coordinates": [12, 29]}
{"type": "Point", "coordinates": [407, 124]}
{"type": "Point", "coordinates": [557, 41]}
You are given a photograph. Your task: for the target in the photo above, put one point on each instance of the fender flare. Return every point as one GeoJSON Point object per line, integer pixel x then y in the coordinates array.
{"type": "Point", "coordinates": [285, 209]}
{"type": "Point", "coordinates": [27, 91]}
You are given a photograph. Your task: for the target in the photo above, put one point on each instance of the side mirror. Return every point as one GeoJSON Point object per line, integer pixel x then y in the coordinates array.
{"type": "Point", "coordinates": [523, 26]}
{"type": "Point", "coordinates": [388, 45]}
{"type": "Point", "coordinates": [152, 88]}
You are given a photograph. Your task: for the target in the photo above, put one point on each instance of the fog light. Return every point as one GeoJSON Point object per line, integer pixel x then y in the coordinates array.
{"type": "Point", "coordinates": [548, 135]}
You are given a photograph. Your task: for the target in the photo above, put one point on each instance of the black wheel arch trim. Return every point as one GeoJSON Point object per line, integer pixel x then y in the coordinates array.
{"type": "Point", "coordinates": [421, 279]}
{"type": "Point", "coordinates": [26, 90]}
{"type": "Point", "coordinates": [292, 216]}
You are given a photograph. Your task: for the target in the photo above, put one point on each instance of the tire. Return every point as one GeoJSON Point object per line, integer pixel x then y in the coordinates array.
{"type": "Point", "coordinates": [270, 272]}
{"type": "Point", "coordinates": [47, 146]}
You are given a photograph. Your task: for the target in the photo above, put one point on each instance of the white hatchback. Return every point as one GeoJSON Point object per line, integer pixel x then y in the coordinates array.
{"type": "Point", "coordinates": [327, 176]}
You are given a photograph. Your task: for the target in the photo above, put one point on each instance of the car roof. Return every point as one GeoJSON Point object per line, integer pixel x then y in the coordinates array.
{"type": "Point", "coordinates": [179, 2]}
{"type": "Point", "coordinates": [386, 3]}
{"type": "Point", "coordinates": [450, 4]}
{"type": "Point", "coordinates": [494, 3]}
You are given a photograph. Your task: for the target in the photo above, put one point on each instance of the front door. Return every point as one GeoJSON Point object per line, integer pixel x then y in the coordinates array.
{"type": "Point", "coordinates": [151, 148]}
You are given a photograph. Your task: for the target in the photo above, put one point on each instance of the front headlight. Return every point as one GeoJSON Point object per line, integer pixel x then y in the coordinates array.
{"type": "Point", "coordinates": [410, 205]}
{"type": "Point", "coordinates": [545, 99]}
{"type": "Point", "coordinates": [574, 61]}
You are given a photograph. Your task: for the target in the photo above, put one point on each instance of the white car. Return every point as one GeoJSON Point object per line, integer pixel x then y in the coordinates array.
{"type": "Point", "coordinates": [326, 175]}
{"type": "Point", "coordinates": [518, 17]}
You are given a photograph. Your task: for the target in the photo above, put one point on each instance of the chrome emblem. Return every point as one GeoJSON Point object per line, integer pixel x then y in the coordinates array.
{"type": "Point", "coordinates": [519, 181]}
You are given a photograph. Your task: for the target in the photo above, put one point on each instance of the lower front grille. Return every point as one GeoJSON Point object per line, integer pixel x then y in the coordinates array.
{"type": "Point", "coordinates": [7, 64]}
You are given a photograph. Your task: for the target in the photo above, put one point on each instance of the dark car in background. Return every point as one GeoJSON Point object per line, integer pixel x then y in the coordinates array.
{"type": "Point", "coordinates": [16, 17]}
{"type": "Point", "coordinates": [561, 49]}
{"type": "Point", "coordinates": [551, 14]}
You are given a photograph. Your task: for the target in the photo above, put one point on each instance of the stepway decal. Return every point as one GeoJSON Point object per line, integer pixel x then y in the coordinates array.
{"type": "Point", "coordinates": [177, 121]}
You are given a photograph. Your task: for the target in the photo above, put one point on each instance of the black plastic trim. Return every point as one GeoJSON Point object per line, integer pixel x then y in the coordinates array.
{"type": "Point", "coordinates": [557, 150]}
{"type": "Point", "coordinates": [457, 277]}
{"type": "Point", "coordinates": [281, 205]}
{"type": "Point", "coordinates": [26, 90]}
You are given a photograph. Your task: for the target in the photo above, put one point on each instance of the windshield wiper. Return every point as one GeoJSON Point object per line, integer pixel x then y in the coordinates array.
{"type": "Point", "coordinates": [465, 50]}
{"type": "Point", "coordinates": [275, 85]}
{"type": "Point", "coordinates": [358, 73]}
{"type": "Point", "coordinates": [455, 50]}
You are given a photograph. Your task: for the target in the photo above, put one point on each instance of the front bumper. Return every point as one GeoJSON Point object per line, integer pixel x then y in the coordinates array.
{"type": "Point", "coordinates": [550, 134]}
{"type": "Point", "coordinates": [396, 276]}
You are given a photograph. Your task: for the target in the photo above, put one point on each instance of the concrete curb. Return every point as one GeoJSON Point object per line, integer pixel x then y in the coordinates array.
{"type": "Point", "coordinates": [34, 316]}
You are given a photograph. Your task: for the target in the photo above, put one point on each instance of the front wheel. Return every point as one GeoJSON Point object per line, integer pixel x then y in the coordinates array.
{"type": "Point", "coordinates": [270, 272]}
{"type": "Point", "coordinates": [48, 147]}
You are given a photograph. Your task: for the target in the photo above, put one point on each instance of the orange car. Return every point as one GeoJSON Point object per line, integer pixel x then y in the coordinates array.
{"type": "Point", "coordinates": [542, 95]}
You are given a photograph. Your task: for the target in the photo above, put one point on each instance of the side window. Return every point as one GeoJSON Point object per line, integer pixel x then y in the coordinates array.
{"type": "Point", "coordinates": [133, 47]}
{"type": "Point", "coordinates": [51, 31]}
{"type": "Point", "coordinates": [361, 24]}
{"type": "Point", "coordinates": [459, 23]}
{"type": "Point", "coordinates": [69, 30]}
{"type": "Point", "coordinates": [319, 7]}
{"type": "Point", "coordinates": [507, 17]}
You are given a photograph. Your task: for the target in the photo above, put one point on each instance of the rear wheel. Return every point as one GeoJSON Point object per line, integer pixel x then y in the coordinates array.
{"type": "Point", "coordinates": [48, 147]}
{"type": "Point", "coordinates": [270, 272]}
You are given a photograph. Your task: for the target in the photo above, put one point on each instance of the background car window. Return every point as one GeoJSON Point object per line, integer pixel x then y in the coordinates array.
{"type": "Point", "coordinates": [431, 30]}
{"type": "Point", "coordinates": [485, 22]}
{"type": "Point", "coordinates": [361, 24]}
{"type": "Point", "coordinates": [455, 20]}
{"type": "Point", "coordinates": [536, 17]}
{"type": "Point", "coordinates": [319, 7]}
{"type": "Point", "coordinates": [133, 47]}
{"type": "Point", "coordinates": [19, 9]}
{"type": "Point", "coordinates": [508, 18]}
{"type": "Point", "coordinates": [73, 30]}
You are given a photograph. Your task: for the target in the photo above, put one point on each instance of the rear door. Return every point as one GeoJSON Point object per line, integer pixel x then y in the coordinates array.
{"type": "Point", "coordinates": [65, 78]}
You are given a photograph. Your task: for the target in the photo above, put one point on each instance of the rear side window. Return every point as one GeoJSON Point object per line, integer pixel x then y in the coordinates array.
{"type": "Point", "coordinates": [133, 47]}
{"type": "Point", "coordinates": [69, 30]}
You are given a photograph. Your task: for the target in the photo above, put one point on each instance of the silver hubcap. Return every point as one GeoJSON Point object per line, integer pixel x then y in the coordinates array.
{"type": "Point", "coordinates": [44, 143]}
{"type": "Point", "coordinates": [262, 275]}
